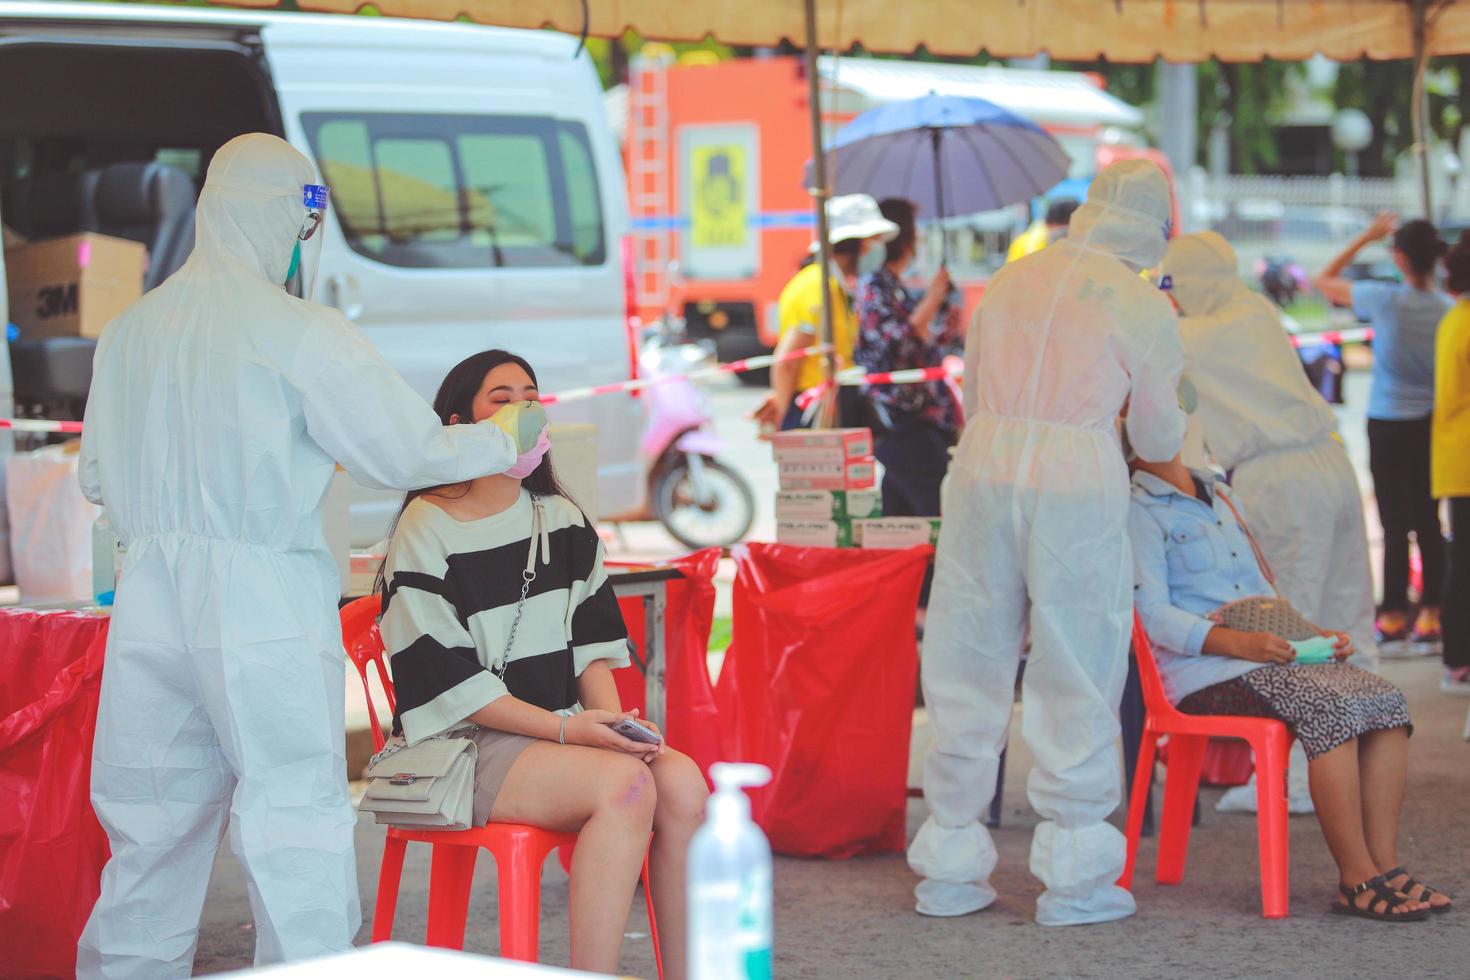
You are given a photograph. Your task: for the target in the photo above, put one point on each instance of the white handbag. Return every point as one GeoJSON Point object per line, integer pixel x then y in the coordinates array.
{"type": "Point", "coordinates": [430, 785]}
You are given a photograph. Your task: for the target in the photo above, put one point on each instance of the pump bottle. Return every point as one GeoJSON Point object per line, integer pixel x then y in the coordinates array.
{"type": "Point", "coordinates": [730, 883]}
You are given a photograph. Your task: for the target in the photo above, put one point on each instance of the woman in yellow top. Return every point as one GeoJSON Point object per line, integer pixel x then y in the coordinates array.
{"type": "Point", "coordinates": [854, 227]}
{"type": "Point", "coordinates": [1450, 467]}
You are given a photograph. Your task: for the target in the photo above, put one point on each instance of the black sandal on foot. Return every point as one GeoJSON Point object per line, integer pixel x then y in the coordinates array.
{"type": "Point", "coordinates": [1425, 892]}
{"type": "Point", "coordinates": [1385, 895]}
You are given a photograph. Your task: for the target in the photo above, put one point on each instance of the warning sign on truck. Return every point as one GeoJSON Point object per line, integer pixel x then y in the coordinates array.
{"type": "Point", "coordinates": [718, 174]}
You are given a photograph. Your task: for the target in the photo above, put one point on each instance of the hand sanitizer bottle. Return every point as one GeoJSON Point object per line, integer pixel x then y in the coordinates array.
{"type": "Point", "coordinates": [730, 883]}
{"type": "Point", "coordinates": [104, 558]}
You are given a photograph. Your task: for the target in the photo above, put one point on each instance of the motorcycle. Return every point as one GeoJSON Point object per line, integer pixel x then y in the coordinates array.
{"type": "Point", "coordinates": [1282, 281]}
{"type": "Point", "coordinates": [700, 500]}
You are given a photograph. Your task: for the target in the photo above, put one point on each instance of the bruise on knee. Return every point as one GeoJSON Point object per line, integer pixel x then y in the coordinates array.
{"type": "Point", "coordinates": [635, 788]}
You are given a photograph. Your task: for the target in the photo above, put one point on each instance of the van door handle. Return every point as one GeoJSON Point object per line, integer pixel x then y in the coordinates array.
{"type": "Point", "coordinates": [344, 295]}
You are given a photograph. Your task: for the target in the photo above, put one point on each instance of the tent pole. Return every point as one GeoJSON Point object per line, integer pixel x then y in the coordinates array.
{"type": "Point", "coordinates": [1420, 115]}
{"type": "Point", "coordinates": [825, 412]}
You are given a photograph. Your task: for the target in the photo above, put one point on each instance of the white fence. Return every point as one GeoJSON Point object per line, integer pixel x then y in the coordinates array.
{"type": "Point", "coordinates": [1305, 218]}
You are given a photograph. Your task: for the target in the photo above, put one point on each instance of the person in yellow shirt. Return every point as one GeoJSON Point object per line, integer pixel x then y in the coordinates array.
{"type": "Point", "coordinates": [1450, 463]}
{"type": "Point", "coordinates": [1042, 233]}
{"type": "Point", "coordinates": [854, 227]}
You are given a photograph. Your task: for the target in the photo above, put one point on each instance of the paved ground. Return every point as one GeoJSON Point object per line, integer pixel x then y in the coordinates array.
{"type": "Point", "coordinates": [855, 918]}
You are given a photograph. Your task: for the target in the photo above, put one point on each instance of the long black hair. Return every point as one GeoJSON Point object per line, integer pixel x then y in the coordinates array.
{"type": "Point", "coordinates": [1420, 244]}
{"type": "Point", "coordinates": [901, 212]}
{"type": "Point", "coordinates": [1457, 266]}
{"type": "Point", "coordinates": [455, 405]}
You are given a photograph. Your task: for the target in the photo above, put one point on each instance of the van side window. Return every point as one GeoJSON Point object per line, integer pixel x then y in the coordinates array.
{"type": "Point", "coordinates": [459, 191]}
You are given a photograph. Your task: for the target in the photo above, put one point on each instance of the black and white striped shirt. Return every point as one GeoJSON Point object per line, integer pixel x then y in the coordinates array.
{"type": "Point", "coordinates": [452, 589]}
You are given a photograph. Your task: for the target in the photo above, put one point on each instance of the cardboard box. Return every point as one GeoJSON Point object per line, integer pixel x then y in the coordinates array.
{"type": "Point", "coordinates": [840, 444]}
{"type": "Point", "coordinates": [828, 505]}
{"type": "Point", "coordinates": [896, 532]}
{"type": "Point", "coordinates": [815, 534]}
{"type": "Point", "coordinates": [73, 286]}
{"type": "Point", "coordinates": [853, 475]}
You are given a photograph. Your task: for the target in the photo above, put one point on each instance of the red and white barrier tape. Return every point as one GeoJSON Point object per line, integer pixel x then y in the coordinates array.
{"type": "Point", "coordinates": [953, 369]}
{"type": "Point", "coordinates": [40, 425]}
{"type": "Point", "coordinates": [1355, 335]}
{"type": "Point", "coordinates": [734, 367]}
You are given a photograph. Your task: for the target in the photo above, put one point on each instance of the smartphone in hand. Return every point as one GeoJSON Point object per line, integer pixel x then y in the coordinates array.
{"type": "Point", "coordinates": [637, 732]}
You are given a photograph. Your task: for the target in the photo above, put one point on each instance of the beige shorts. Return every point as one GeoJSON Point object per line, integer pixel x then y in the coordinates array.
{"type": "Point", "coordinates": [495, 753]}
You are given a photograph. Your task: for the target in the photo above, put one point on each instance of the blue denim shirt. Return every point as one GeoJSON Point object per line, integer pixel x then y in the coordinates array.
{"type": "Point", "coordinates": [1189, 559]}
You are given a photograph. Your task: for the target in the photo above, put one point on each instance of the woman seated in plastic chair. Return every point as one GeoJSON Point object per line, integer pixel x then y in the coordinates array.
{"type": "Point", "coordinates": [498, 613]}
{"type": "Point", "coordinates": [1193, 555]}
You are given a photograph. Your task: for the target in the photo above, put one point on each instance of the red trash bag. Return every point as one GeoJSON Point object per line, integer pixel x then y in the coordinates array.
{"type": "Point", "coordinates": [819, 686]}
{"type": "Point", "coordinates": [692, 719]}
{"type": "Point", "coordinates": [52, 848]}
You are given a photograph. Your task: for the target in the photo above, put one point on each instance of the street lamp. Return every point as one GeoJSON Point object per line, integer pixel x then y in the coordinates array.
{"type": "Point", "coordinates": [1352, 131]}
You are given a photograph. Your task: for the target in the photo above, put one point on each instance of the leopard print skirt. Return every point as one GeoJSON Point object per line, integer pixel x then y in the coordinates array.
{"type": "Point", "coordinates": [1324, 705]}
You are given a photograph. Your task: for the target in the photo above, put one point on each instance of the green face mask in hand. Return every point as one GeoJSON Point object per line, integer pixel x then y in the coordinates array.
{"type": "Point", "coordinates": [523, 422]}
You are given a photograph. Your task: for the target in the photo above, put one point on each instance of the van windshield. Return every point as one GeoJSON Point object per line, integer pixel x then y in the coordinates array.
{"type": "Point", "coordinates": [462, 191]}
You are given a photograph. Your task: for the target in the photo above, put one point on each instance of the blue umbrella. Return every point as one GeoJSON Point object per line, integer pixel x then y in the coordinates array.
{"type": "Point", "coordinates": [993, 157]}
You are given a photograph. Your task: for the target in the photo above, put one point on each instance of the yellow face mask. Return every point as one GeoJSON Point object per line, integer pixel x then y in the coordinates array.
{"type": "Point", "coordinates": [523, 422]}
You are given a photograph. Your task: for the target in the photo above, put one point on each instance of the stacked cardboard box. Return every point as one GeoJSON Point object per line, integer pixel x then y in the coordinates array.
{"type": "Point", "coordinates": [73, 286]}
{"type": "Point", "coordinates": [895, 532]}
{"type": "Point", "coordinates": [827, 484]}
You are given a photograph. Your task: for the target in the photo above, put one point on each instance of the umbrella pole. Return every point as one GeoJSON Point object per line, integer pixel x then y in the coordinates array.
{"type": "Point", "coordinates": [934, 136]}
{"type": "Point", "coordinates": [819, 201]}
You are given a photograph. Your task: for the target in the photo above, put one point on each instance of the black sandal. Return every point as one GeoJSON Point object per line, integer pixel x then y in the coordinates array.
{"type": "Point", "coordinates": [1385, 895]}
{"type": "Point", "coordinates": [1425, 892]}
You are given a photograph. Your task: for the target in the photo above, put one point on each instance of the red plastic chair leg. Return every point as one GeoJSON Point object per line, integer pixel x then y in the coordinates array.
{"type": "Point", "coordinates": [1181, 785]}
{"type": "Point", "coordinates": [1271, 826]}
{"type": "Point", "coordinates": [450, 877]}
{"type": "Point", "coordinates": [1138, 803]}
{"type": "Point", "coordinates": [658, 956]}
{"type": "Point", "coordinates": [518, 871]}
{"type": "Point", "coordinates": [389, 877]}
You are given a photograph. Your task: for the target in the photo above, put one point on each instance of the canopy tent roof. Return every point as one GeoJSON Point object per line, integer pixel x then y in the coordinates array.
{"type": "Point", "coordinates": [1120, 30]}
{"type": "Point", "coordinates": [1066, 98]}
{"type": "Point", "coordinates": [1060, 97]}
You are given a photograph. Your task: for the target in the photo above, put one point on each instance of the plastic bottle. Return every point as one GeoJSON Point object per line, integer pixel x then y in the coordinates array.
{"type": "Point", "coordinates": [730, 883]}
{"type": "Point", "coordinates": [104, 558]}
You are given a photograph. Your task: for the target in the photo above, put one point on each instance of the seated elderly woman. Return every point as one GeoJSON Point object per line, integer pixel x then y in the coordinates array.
{"type": "Point", "coordinates": [1193, 555]}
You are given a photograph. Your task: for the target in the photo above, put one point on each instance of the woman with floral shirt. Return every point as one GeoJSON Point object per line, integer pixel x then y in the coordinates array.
{"type": "Point", "coordinates": [898, 330]}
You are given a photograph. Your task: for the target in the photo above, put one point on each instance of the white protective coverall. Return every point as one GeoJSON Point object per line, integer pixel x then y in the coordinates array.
{"type": "Point", "coordinates": [219, 408]}
{"type": "Point", "coordinates": [1263, 422]}
{"type": "Point", "coordinates": [1035, 537]}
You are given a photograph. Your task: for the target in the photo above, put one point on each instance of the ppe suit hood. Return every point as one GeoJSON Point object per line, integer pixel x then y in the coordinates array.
{"type": "Point", "coordinates": [1203, 270]}
{"type": "Point", "coordinates": [1127, 208]}
{"type": "Point", "coordinates": [250, 210]}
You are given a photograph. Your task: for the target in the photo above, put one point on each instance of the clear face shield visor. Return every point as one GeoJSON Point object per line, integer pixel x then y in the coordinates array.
{"type": "Point", "coordinates": [306, 256]}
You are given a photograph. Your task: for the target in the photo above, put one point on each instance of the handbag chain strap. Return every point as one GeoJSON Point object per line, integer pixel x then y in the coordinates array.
{"type": "Point", "coordinates": [538, 537]}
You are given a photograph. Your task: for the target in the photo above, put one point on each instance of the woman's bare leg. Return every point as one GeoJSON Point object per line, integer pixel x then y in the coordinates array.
{"type": "Point", "coordinates": [681, 798]}
{"type": "Point", "coordinates": [607, 798]}
{"type": "Point", "coordinates": [1338, 794]}
{"type": "Point", "coordinates": [1383, 763]}
{"type": "Point", "coordinates": [1383, 760]}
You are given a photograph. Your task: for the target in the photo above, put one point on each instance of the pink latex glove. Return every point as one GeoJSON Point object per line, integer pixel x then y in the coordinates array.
{"type": "Point", "coordinates": [527, 461]}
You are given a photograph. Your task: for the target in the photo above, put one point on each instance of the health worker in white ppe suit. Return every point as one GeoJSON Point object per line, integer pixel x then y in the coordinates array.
{"type": "Point", "coordinates": [1035, 541]}
{"type": "Point", "coordinates": [220, 406]}
{"type": "Point", "coordinates": [1264, 423]}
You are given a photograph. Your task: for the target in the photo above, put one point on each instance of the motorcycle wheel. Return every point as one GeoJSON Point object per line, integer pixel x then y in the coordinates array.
{"type": "Point", "coordinates": [725, 517]}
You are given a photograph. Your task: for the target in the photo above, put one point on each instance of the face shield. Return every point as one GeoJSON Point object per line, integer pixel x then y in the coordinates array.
{"type": "Point", "coordinates": [306, 256]}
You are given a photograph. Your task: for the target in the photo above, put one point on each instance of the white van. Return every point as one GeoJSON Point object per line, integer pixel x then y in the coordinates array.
{"type": "Point", "coordinates": [477, 193]}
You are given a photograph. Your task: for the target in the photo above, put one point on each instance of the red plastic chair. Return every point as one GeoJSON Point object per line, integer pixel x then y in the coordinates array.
{"type": "Point", "coordinates": [1188, 736]}
{"type": "Point", "coordinates": [520, 850]}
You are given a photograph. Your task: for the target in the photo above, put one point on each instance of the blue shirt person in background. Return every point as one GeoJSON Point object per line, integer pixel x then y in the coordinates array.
{"type": "Point", "coordinates": [1405, 319]}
